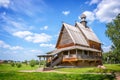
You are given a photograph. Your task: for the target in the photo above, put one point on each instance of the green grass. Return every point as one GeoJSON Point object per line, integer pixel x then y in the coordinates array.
{"type": "Point", "coordinates": [75, 70]}
{"type": "Point", "coordinates": [109, 68]}
{"type": "Point", "coordinates": [52, 76]}
{"type": "Point", "coordinates": [7, 72]}
{"type": "Point", "coordinates": [8, 67]}
{"type": "Point", "coordinates": [113, 67]}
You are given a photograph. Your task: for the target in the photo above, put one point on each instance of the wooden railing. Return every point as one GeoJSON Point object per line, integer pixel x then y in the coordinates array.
{"type": "Point", "coordinates": [89, 57]}
{"type": "Point", "coordinates": [67, 58]}
{"type": "Point", "coordinates": [70, 59]}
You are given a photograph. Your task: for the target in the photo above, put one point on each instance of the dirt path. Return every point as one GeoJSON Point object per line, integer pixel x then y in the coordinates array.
{"type": "Point", "coordinates": [117, 76]}
{"type": "Point", "coordinates": [41, 70]}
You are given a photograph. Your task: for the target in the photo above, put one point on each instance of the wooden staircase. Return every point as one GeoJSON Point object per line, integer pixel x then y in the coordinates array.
{"type": "Point", "coordinates": [55, 61]}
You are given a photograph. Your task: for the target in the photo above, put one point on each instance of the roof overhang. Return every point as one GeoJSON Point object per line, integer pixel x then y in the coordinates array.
{"type": "Point", "coordinates": [73, 47]}
{"type": "Point", "coordinates": [44, 55]}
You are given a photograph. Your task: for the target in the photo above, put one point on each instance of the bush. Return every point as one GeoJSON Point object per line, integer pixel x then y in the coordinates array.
{"type": "Point", "coordinates": [37, 62]}
{"type": "Point", "coordinates": [32, 63]}
{"type": "Point", "coordinates": [18, 65]}
{"type": "Point", "coordinates": [12, 64]}
{"type": "Point", "coordinates": [25, 62]}
{"type": "Point", "coordinates": [42, 62]}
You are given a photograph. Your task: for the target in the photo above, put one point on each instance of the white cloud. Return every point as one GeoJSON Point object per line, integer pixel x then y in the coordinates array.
{"type": "Point", "coordinates": [4, 3]}
{"type": "Point", "coordinates": [4, 45]}
{"type": "Point", "coordinates": [22, 34]}
{"type": "Point", "coordinates": [4, 13]}
{"type": "Point", "coordinates": [12, 25]}
{"type": "Point", "coordinates": [106, 48]}
{"type": "Point", "coordinates": [44, 28]}
{"type": "Point", "coordinates": [90, 16]}
{"type": "Point", "coordinates": [35, 51]}
{"type": "Point", "coordinates": [16, 48]}
{"type": "Point", "coordinates": [105, 11]}
{"type": "Point", "coordinates": [33, 37]}
{"type": "Point", "coordinates": [87, 2]}
{"type": "Point", "coordinates": [28, 38]}
{"type": "Point", "coordinates": [29, 8]}
{"type": "Point", "coordinates": [47, 45]}
{"type": "Point", "coordinates": [7, 46]}
{"type": "Point", "coordinates": [39, 38]}
{"type": "Point", "coordinates": [17, 25]}
{"type": "Point", "coordinates": [65, 12]}
{"type": "Point", "coordinates": [93, 2]}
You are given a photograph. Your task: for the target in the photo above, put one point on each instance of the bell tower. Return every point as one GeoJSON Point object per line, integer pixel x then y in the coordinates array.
{"type": "Point", "coordinates": [83, 20]}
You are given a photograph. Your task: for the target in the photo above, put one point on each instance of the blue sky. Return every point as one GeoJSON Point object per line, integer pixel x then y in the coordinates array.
{"type": "Point", "coordinates": [31, 27]}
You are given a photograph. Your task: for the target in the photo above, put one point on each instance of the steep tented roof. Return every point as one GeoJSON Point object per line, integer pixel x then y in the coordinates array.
{"type": "Point", "coordinates": [75, 35]}
{"type": "Point", "coordinates": [89, 34]}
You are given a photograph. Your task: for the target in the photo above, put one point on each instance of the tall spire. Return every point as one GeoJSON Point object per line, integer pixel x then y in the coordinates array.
{"type": "Point", "coordinates": [83, 20]}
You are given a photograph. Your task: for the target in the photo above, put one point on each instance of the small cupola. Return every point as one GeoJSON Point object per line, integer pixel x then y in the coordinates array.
{"type": "Point", "coordinates": [83, 20]}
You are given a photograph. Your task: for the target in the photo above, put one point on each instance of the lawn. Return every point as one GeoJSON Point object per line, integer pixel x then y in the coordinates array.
{"type": "Point", "coordinates": [75, 70]}
{"type": "Point", "coordinates": [7, 72]}
{"type": "Point", "coordinates": [8, 68]}
{"type": "Point", "coordinates": [109, 68]}
{"type": "Point", "coordinates": [52, 76]}
{"type": "Point", "coordinates": [113, 67]}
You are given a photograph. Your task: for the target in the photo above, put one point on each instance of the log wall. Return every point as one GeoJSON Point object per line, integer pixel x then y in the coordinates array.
{"type": "Point", "coordinates": [95, 45]}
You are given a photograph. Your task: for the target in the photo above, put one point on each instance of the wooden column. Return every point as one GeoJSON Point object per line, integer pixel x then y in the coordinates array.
{"type": "Point", "coordinates": [93, 55]}
{"type": "Point", "coordinates": [76, 54]}
{"type": "Point", "coordinates": [83, 53]}
{"type": "Point", "coordinates": [39, 61]}
{"type": "Point", "coordinates": [45, 61]}
{"type": "Point", "coordinates": [88, 53]}
{"type": "Point", "coordinates": [68, 53]}
{"type": "Point", "coordinates": [62, 54]}
{"type": "Point", "coordinates": [82, 56]}
{"type": "Point", "coordinates": [51, 60]}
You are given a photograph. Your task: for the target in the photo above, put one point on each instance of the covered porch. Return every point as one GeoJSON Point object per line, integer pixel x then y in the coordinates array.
{"type": "Point", "coordinates": [74, 54]}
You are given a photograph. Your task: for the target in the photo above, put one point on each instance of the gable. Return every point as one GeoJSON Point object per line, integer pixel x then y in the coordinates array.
{"type": "Point", "coordinates": [71, 35]}
{"type": "Point", "coordinates": [64, 38]}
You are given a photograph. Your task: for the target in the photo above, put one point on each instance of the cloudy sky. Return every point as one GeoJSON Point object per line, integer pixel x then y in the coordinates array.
{"type": "Point", "coordinates": [31, 27]}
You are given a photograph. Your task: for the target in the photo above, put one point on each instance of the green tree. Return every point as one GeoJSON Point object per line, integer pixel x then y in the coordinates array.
{"type": "Point", "coordinates": [32, 63]}
{"type": "Point", "coordinates": [25, 62]}
{"type": "Point", "coordinates": [18, 64]}
{"type": "Point", "coordinates": [12, 64]}
{"type": "Point", "coordinates": [37, 62]}
{"type": "Point", "coordinates": [113, 33]}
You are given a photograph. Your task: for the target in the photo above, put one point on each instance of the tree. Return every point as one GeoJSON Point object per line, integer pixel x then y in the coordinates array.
{"type": "Point", "coordinates": [32, 63]}
{"type": "Point", "coordinates": [12, 64]}
{"type": "Point", "coordinates": [113, 33]}
{"type": "Point", "coordinates": [25, 62]}
{"type": "Point", "coordinates": [18, 64]}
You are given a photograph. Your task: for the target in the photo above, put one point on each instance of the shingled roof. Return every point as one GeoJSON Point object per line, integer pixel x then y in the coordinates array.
{"type": "Point", "coordinates": [88, 32]}
{"type": "Point", "coordinates": [76, 35]}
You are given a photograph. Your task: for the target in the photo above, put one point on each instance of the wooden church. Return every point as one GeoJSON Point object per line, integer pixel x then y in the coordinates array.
{"type": "Point", "coordinates": [77, 46]}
